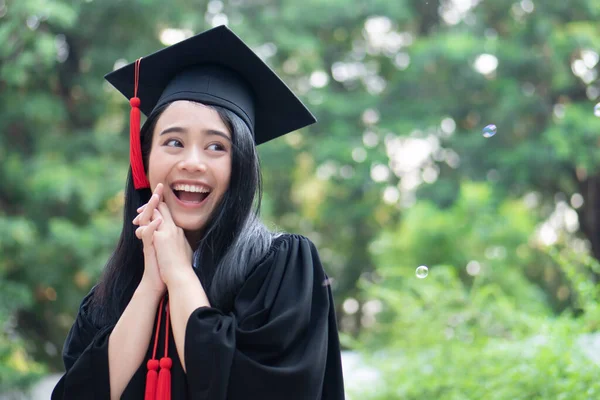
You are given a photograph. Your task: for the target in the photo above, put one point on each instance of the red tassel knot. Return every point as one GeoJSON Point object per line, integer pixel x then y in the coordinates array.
{"type": "Point", "coordinates": [135, 102]}
{"type": "Point", "coordinates": [166, 362]}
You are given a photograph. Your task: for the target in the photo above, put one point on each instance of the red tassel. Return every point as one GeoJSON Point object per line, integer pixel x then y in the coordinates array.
{"type": "Point", "coordinates": [140, 181]}
{"type": "Point", "coordinates": [164, 376]}
{"type": "Point", "coordinates": [163, 391]}
{"type": "Point", "coordinates": [152, 364]}
{"type": "Point", "coordinates": [151, 380]}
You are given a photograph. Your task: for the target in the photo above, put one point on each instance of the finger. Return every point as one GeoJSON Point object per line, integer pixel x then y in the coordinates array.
{"type": "Point", "coordinates": [166, 214]}
{"type": "Point", "coordinates": [152, 203]}
{"type": "Point", "coordinates": [159, 191]}
{"type": "Point", "coordinates": [144, 217]}
{"type": "Point", "coordinates": [149, 231]}
{"type": "Point", "coordinates": [163, 208]}
{"type": "Point", "coordinates": [155, 214]}
{"type": "Point", "coordinates": [139, 231]}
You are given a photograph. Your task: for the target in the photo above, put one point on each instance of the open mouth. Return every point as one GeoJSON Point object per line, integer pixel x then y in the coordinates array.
{"type": "Point", "coordinates": [190, 197]}
{"type": "Point", "coordinates": [190, 194]}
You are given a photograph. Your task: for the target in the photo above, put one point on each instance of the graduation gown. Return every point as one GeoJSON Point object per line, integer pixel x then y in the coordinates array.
{"type": "Point", "coordinates": [279, 342]}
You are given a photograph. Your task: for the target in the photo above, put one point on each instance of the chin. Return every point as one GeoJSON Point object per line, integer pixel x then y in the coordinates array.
{"type": "Point", "coordinates": [190, 226]}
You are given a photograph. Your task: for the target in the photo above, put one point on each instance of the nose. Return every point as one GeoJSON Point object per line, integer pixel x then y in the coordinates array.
{"type": "Point", "coordinates": [192, 162]}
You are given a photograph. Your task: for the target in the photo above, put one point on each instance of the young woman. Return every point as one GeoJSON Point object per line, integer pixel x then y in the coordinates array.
{"type": "Point", "coordinates": [199, 300]}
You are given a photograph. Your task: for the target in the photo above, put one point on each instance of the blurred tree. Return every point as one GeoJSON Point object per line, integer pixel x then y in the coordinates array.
{"type": "Point", "coordinates": [530, 68]}
{"type": "Point", "coordinates": [63, 150]}
{"type": "Point", "coordinates": [401, 89]}
{"type": "Point", "coordinates": [482, 238]}
{"type": "Point", "coordinates": [475, 327]}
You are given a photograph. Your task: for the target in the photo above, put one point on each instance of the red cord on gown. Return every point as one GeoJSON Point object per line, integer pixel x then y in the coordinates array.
{"type": "Point", "coordinates": [158, 384]}
{"type": "Point", "coordinates": [163, 391]}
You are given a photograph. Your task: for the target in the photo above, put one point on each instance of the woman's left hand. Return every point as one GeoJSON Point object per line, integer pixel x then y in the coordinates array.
{"type": "Point", "coordinates": [173, 252]}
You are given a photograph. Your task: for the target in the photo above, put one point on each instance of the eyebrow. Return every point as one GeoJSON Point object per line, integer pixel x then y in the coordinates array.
{"type": "Point", "coordinates": [179, 129]}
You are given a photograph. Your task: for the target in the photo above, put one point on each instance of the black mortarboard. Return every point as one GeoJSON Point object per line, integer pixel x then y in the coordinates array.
{"type": "Point", "coordinates": [217, 68]}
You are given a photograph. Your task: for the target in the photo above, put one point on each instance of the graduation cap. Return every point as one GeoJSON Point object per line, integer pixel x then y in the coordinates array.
{"type": "Point", "coordinates": [215, 68]}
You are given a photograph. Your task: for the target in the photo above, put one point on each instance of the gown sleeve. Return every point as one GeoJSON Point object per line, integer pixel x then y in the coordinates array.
{"type": "Point", "coordinates": [85, 355]}
{"type": "Point", "coordinates": [280, 341]}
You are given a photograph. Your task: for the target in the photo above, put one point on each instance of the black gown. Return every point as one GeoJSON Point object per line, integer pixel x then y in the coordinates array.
{"type": "Point", "coordinates": [279, 342]}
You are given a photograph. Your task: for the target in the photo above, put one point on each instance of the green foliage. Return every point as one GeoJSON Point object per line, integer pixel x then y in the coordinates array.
{"type": "Point", "coordinates": [489, 233]}
{"type": "Point", "coordinates": [492, 336]}
{"type": "Point", "coordinates": [549, 365]}
{"type": "Point", "coordinates": [17, 370]}
{"type": "Point", "coordinates": [580, 269]}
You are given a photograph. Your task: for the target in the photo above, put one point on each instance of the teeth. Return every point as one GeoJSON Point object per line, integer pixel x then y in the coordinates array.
{"type": "Point", "coordinates": [190, 188]}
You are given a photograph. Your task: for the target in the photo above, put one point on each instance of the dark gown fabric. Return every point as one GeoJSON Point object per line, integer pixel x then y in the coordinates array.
{"type": "Point", "coordinates": [279, 342]}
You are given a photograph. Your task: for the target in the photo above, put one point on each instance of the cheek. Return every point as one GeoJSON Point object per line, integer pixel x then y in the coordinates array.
{"type": "Point", "coordinates": [226, 174]}
{"type": "Point", "coordinates": [155, 169]}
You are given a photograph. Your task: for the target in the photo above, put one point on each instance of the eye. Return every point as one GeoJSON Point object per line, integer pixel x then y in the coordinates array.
{"type": "Point", "coordinates": [216, 147]}
{"type": "Point", "coordinates": [173, 143]}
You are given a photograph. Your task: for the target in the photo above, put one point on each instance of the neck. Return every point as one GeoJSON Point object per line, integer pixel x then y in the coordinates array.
{"type": "Point", "coordinates": [193, 238]}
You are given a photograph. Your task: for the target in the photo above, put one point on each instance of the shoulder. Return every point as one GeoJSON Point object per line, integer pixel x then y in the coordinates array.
{"type": "Point", "coordinates": [290, 244]}
{"type": "Point", "coordinates": [82, 331]}
{"type": "Point", "coordinates": [89, 312]}
{"type": "Point", "coordinates": [289, 277]}
{"type": "Point", "coordinates": [87, 304]}
{"type": "Point", "coordinates": [288, 252]}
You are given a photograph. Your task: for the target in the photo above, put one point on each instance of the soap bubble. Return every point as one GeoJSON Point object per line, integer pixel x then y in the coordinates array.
{"type": "Point", "coordinates": [597, 110]}
{"type": "Point", "coordinates": [422, 272]}
{"type": "Point", "coordinates": [489, 131]}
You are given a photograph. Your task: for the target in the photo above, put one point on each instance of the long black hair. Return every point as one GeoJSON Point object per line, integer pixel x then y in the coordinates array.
{"type": "Point", "coordinates": [232, 241]}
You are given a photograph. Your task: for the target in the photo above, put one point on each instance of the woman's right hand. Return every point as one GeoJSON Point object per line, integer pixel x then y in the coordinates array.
{"type": "Point", "coordinates": [148, 220]}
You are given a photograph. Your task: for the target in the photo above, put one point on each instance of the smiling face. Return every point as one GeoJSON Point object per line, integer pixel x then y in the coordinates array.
{"type": "Point", "coordinates": [191, 156]}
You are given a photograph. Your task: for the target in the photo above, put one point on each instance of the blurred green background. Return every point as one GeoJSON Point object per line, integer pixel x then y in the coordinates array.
{"type": "Point", "coordinates": [395, 175]}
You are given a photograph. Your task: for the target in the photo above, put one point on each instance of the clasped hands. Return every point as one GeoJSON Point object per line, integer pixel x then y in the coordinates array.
{"type": "Point", "coordinates": [167, 253]}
